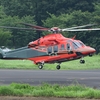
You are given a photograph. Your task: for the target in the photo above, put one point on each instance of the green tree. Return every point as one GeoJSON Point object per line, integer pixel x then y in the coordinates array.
{"type": "Point", "coordinates": [19, 37]}
{"type": "Point", "coordinates": [76, 18]}
{"type": "Point", "coordinates": [40, 8]}
{"type": "Point", "coordinates": [49, 13]}
{"type": "Point", "coordinates": [5, 36]}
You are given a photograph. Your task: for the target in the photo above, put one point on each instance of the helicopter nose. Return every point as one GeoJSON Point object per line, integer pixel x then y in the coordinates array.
{"type": "Point", "coordinates": [92, 50]}
{"type": "Point", "coordinates": [87, 51]}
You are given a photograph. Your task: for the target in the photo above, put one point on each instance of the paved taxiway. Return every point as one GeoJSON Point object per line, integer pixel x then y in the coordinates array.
{"type": "Point", "coordinates": [89, 78]}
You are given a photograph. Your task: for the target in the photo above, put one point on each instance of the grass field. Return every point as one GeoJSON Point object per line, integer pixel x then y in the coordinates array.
{"type": "Point", "coordinates": [47, 90]}
{"type": "Point", "coordinates": [91, 63]}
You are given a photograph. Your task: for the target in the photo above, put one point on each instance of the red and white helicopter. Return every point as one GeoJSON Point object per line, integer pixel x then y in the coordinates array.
{"type": "Point", "coordinates": [51, 48]}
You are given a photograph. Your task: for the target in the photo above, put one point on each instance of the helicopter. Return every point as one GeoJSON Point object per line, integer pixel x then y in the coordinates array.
{"type": "Point", "coordinates": [51, 48]}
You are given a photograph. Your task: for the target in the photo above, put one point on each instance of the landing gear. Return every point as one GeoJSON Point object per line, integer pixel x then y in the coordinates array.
{"type": "Point", "coordinates": [40, 65]}
{"type": "Point", "coordinates": [90, 55]}
{"type": "Point", "coordinates": [82, 61]}
{"type": "Point", "coordinates": [58, 66]}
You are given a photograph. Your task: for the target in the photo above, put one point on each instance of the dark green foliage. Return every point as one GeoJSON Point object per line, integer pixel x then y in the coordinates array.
{"type": "Point", "coordinates": [76, 18]}
{"type": "Point", "coordinates": [17, 38]}
{"type": "Point", "coordinates": [49, 13]}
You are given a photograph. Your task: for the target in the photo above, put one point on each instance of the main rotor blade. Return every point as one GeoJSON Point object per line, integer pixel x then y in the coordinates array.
{"type": "Point", "coordinates": [82, 29]}
{"type": "Point", "coordinates": [16, 28]}
{"type": "Point", "coordinates": [36, 27]}
{"type": "Point", "coordinates": [80, 26]}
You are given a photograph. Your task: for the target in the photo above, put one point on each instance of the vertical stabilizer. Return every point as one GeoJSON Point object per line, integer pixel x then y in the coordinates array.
{"type": "Point", "coordinates": [2, 53]}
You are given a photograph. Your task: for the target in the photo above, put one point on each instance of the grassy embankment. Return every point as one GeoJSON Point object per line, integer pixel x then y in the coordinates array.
{"type": "Point", "coordinates": [91, 63]}
{"type": "Point", "coordinates": [47, 90]}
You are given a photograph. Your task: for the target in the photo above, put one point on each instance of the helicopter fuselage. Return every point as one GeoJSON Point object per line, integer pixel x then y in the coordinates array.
{"type": "Point", "coordinates": [52, 48]}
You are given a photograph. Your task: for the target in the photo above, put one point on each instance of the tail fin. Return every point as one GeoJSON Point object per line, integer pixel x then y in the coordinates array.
{"type": "Point", "coordinates": [2, 53]}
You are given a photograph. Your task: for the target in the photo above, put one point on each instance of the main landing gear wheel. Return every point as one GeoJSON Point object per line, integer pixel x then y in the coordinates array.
{"type": "Point", "coordinates": [82, 61]}
{"type": "Point", "coordinates": [40, 66]}
{"type": "Point", "coordinates": [58, 67]}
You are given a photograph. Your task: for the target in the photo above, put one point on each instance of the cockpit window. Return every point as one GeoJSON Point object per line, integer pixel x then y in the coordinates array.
{"type": "Point", "coordinates": [77, 44]}
{"type": "Point", "coordinates": [81, 43]}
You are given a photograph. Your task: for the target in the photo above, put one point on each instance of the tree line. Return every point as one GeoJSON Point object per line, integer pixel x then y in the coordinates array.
{"type": "Point", "coordinates": [48, 13]}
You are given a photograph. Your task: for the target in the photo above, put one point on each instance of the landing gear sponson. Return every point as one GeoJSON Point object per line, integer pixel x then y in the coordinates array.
{"type": "Point", "coordinates": [40, 65]}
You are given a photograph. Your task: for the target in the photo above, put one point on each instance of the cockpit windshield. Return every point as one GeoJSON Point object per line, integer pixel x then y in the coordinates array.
{"type": "Point", "coordinates": [81, 43]}
{"type": "Point", "coordinates": [77, 44]}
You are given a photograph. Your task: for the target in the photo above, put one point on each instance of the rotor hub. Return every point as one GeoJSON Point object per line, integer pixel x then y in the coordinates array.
{"type": "Point", "coordinates": [55, 29]}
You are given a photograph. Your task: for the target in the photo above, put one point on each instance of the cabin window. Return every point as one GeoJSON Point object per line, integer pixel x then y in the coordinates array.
{"type": "Point", "coordinates": [62, 47]}
{"type": "Point", "coordinates": [49, 50]}
{"type": "Point", "coordinates": [68, 46]}
{"type": "Point", "coordinates": [55, 48]}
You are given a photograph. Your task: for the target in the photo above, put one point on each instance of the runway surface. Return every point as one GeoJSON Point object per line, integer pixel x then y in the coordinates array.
{"type": "Point", "coordinates": [89, 78]}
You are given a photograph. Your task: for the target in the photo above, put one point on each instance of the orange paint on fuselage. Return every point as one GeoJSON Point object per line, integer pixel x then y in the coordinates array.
{"type": "Point", "coordinates": [53, 59]}
{"type": "Point", "coordinates": [75, 50]}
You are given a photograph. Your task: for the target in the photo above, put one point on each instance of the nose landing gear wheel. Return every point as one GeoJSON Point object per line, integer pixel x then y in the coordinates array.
{"type": "Point", "coordinates": [82, 61]}
{"type": "Point", "coordinates": [58, 67]}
